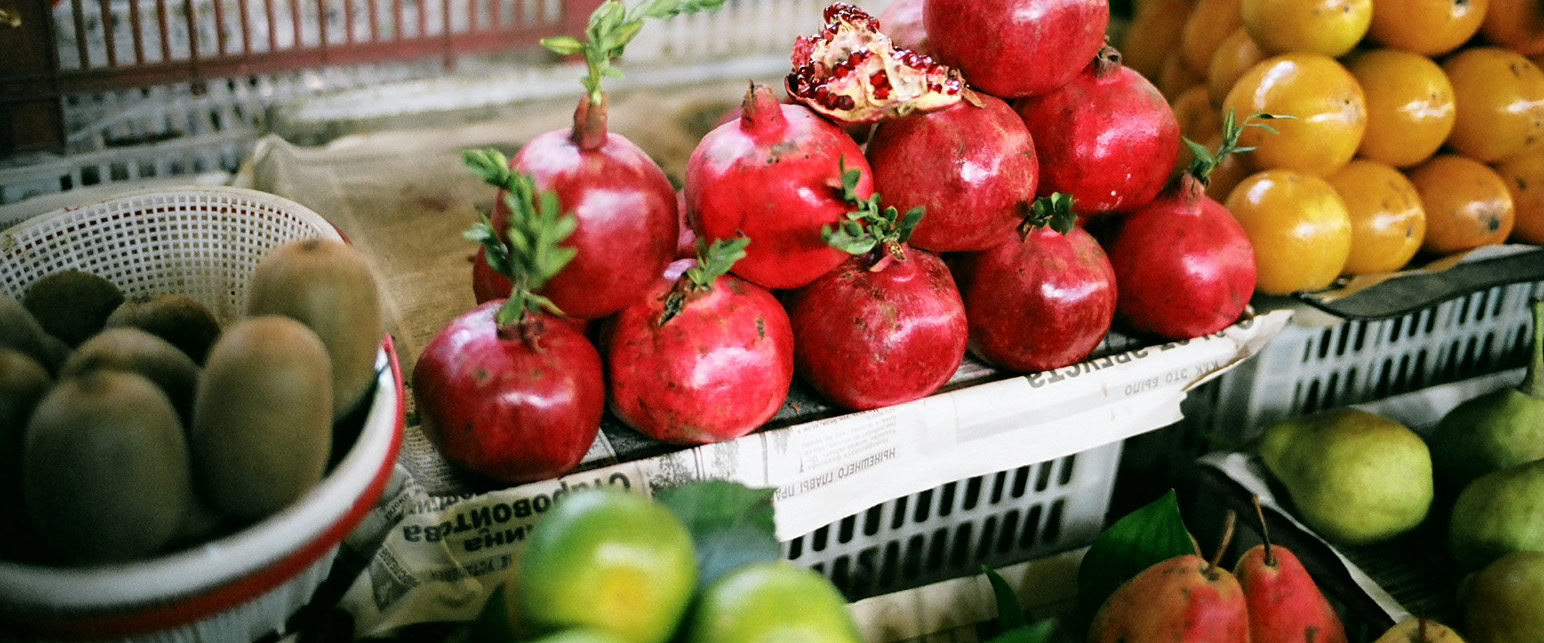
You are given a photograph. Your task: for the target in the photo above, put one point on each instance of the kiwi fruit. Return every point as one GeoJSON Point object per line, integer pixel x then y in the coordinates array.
{"type": "Point", "coordinates": [20, 331]}
{"type": "Point", "coordinates": [72, 304]}
{"type": "Point", "coordinates": [23, 383]}
{"type": "Point", "coordinates": [178, 319]}
{"type": "Point", "coordinates": [106, 477]}
{"type": "Point", "coordinates": [262, 418]}
{"type": "Point", "coordinates": [131, 349]}
{"type": "Point", "coordinates": [328, 286]}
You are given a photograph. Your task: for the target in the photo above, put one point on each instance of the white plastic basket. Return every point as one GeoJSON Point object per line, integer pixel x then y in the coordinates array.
{"type": "Point", "coordinates": [203, 243]}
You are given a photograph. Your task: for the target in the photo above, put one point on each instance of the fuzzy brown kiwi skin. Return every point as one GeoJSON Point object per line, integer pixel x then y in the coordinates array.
{"type": "Point", "coordinates": [72, 305]}
{"type": "Point", "coordinates": [107, 478]}
{"type": "Point", "coordinates": [20, 331]}
{"type": "Point", "coordinates": [23, 383]}
{"type": "Point", "coordinates": [178, 319]}
{"type": "Point", "coordinates": [328, 286]}
{"type": "Point", "coordinates": [262, 418]}
{"type": "Point", "coordinates": [131, 349]}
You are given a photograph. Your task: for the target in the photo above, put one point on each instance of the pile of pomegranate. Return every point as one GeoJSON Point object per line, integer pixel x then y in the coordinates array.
{"type": "Point", "coordinates": [1015, 197]}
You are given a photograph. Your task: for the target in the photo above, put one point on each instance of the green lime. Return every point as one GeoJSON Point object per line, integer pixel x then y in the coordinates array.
{"type": "Point", "coordinates": [772, 602]}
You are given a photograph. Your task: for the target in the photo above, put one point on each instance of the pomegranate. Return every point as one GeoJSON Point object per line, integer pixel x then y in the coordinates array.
{"type": "Point", "coordinates": [852, 73]}
{"type": "Point", "coordinates": [705, 357]}
{"type": "Point", "coordinates": [487, 285]}
{"type": "Point", "coordinates": [902, 21]}
{"type": "Point", "coordinates": [1041, 302]}
{"type": "Point", "coordinates": [1184, 265]}
{"type": "Point", "coordinates": [507, 390]}
{"type": "Point", "coordinates": [973, 167]}
{"type": "Point", "coordinates": [886, 326]}
{"type": "Point", "coordinates": [1107, 138]}
{"type": "Point", "coordinates": [625, 206]}
{"type": "Point", "coordinates": [1016, 48]}
{"type": "Point", "coordinates": [775, 176]}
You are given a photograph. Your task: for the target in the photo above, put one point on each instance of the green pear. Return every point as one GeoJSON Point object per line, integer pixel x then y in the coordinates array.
{"type": "Point", "coordinates": [1499, 513]}
{"type": "Point", "coordinates": [1355, 477]}
{"type": "Point", "coordinates": [1501, 602]}
{"type": "Point", "coordinates": [1495, 430]}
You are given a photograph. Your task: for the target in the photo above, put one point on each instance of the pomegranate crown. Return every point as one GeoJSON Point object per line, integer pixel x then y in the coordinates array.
{"type": "Point", "coordinates": [611, 27]}
{"type": "Point", "coordinates": [713, 261]}
{"type": "Point", "coordinates": [852, 73]}
{"type": "Point", "coordinates": [1052, 211]}
{"type": "Point", "coordinates": [529, 253]}
{"type": "Point", "coordinates": [867, 227]}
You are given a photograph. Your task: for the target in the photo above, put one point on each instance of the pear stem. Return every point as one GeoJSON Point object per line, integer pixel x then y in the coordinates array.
{"type": "Point", "coordinates": [1265, 532]}
{"type": "Point", "coordinates": [1227, 537]}
{"type": "Point", "coordinates": [1533, 382]}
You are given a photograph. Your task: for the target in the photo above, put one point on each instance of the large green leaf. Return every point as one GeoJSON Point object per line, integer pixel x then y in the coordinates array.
{"type": "Point", "coordinates": [1141, 539]}
{"type": "Point", "coordinates": [731, 525]}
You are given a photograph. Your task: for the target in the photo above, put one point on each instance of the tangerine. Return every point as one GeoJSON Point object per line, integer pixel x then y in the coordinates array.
{"type": "Point", "coordinates": [1467, 204]}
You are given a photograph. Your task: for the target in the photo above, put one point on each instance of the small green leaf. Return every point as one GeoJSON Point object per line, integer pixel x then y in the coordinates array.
{"type": "Point", "coordinates": [1141, 539]}
{"type": "Point", "coordinates": [623, 35]}
{"type": "Point", "coordinates": [715, 260]}
{"type": "Point", "coordinates": [490, 165]}
{"type": "Point", "coordinates": [1009, 615]}
{"type": "Point", "coordinates": [1040, 632]}
{"type": "Point", "coordinates": [731, 525]}
{"type": "Point", "coordinates": [563, 45]}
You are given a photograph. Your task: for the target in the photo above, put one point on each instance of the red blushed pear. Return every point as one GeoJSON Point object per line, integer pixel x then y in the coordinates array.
{"type": "Point", "coordinates": [1106, 138]}
{"type": "Point", "coordinates": [1184, 264]}
{"type": "Point", "coordinates": [509, 390]}
{"type": "Point", "coordinates": [705, 357]}
{"type": "Point", "coordinates": [1043, 300]}
{"type": "Point", "coordinates": [887, 326]}
{"type": "Point", "coordinates": [1185, 598]}
{"type": "Point", "coordinates": [625, 205]}
{"type": "Point", "coordinates": [1285, 605]}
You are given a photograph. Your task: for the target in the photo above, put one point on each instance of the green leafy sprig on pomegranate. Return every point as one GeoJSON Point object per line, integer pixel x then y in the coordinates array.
{"type": "Point", "coordinates": [537, 226]}
{"type": "Point", "coordinates": [868, 227]}
{"type": "Point", "coordinates": [713, 261]}
{"type": "Point", "coordinates": [1206, 160]}
{"type": "Point", "coordinates": [1053, 211]}
{"type": "Point", "coordinates": [611, 27]}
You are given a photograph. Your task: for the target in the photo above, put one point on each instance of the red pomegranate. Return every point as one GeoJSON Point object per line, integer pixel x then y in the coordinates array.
{"type": "Point", "coordinates": [851, 73]}
{"type": "Point", "coordinates": [705, 357]}
{"type": "Point", "coordinates": [973, 167]}
{"type": "Point", "coordinates": [774, 176]}
{"type": "Point", "coordinates": [887, 326]}
{"type": "Point", "coordinates": [902, 21]}
{"type": "Point", "coordinates": [1042, 302]}
{"type": "Point", "coordinates": [1016, 48]}
{"type": "Point", "coordinates": [1107, 138]}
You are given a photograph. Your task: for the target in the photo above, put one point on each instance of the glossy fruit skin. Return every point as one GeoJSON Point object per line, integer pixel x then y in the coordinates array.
{"type": "Point", "coordinates": [494, 405]}
{"type": "Point", "coordinates": [773, 175]}
{"type": "Point", "coordinates": [1500, 103]}
{"type": "Point", "coordinates": [867, 339]}
{"type": "Point", "coordinates": [1234, 56]}
{"type": "Point", "coordinates": [1037, 304]}
{"type": "Point", "coordinates": [1410, 105]}
{"type": "Point", "coordinates": [1179, 599]}
{"type": "Point", "coordinates": [974, 169]}
{"type": "Point", "coordinates": [1387, 219]}
{"type": "Point", "coordinates": [1428, 27]}
{"type": "Point", "coordinates": [902, 22]}
{"type": "Point", "coordinates": [1524, 177]}
{"type": "Point", "coordinates": [1184, 266]}
{"type": "Point", "coordinates": [1329, 27]}
{"type": "Point", "coordinates": [1107, 138]}
{"type": "Point", "coordinates": [487, 285]}
{"type": "Point", "coordinates": [1209, 22]}
{"type": "Point", "coordinates": [771, 602]}
{"type": "Point", "coordinates": [1467, 204]}
{"type": "Point", "coordinates": [1517, 25]}
{"type": "Point", "coordinates": [716, 371]}
{"type": "Point", "coordinates": [607, 559]}
{"type": "Point", "coordinates": [1016, 48]}
{"type": "Point", "coordinates": [1285, 606]}
{"type": "Point", "coordinates": [1298, 226]}
{"type": "Point", "coordinates": [1327, 105]}
{"type": "Point", "coordinates": [627, 218]}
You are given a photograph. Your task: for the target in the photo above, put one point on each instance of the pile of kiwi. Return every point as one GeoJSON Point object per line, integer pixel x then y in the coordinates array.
{"type": "Point", "coordinates": [132, 426]}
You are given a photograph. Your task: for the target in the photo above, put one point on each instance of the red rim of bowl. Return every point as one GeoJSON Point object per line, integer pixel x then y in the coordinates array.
{"type": "Point", "coordinates": [184, 611]}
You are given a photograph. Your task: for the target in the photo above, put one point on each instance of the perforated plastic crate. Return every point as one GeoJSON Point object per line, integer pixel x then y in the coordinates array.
{"type": "Point", "coordinates": [950, 531]}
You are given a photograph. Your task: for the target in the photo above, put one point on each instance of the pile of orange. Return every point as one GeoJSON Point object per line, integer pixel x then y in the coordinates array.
{"type": "Point", "coordinates": [1416, 127]}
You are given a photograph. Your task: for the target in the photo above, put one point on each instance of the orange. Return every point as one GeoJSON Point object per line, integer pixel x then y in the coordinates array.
{"type": "Point", "coordinates": [1467, 204]}
{"type": "Point", "coordinates": [1328, 110]}
{"type": "Point", "coordinates": [1430, 27]}
{"type": "Point", "coordinates": [1410, 105]}
{"type": "Point", "coordinates": [1500, 99]}
{"type": "Point", "coordinates": [1153, 34]}
{"type": "Point", "coordinates": [1329, 27]}
{"type": "Point", "coordinates": [1524, 177]}
{"type": "Point", "coordinates": [1198, 117]}
{"type": "Point", "coordinates": [1175, 77]}
{"type": "Point", "coordinates": [1235, 55]}
{"type": "Point", "coordinates": [1387, 221]}
{"type": "Point", "coordinates": [1515, 24]}
{"type": "Point", "coordinates": [1208, 23]}
{"type": "Point", "coordinates": [1299, 227]}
